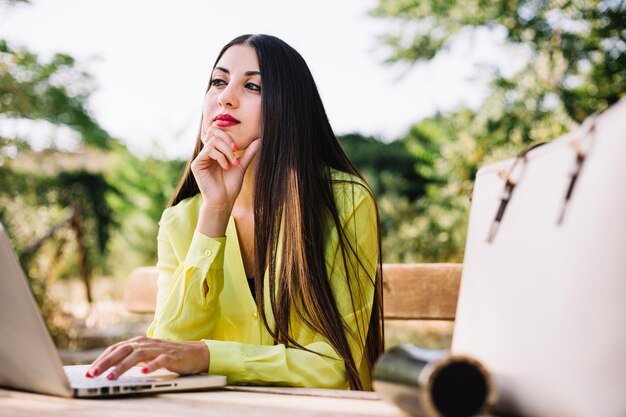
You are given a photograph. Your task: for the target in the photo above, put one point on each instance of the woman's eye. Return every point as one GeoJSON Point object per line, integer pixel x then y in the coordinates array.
{"type": "Point", "coordinates": [253, 87]}
{"type": "Point", "coordinates": [216, 82]}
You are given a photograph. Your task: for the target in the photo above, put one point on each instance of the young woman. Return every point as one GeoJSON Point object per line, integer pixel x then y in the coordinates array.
{"type": "Point", "coordinates": [269, 251]}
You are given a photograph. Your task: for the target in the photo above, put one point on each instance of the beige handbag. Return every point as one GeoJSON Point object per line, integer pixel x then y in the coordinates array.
{"type": "Point", "coordinates": [543, 294]}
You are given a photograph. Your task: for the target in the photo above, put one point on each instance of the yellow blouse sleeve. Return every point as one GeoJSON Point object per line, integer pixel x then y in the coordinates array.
{"type": "Point", "coordinates": [277, 365]}
{"type": "Point", "coordinates": [191, 277]}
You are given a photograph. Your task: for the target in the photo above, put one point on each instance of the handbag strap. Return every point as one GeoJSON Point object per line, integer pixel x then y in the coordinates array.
{"type": "Point", "coordinates": [509, 187]}
{"type": "Point", "coordinates": [581, 156]}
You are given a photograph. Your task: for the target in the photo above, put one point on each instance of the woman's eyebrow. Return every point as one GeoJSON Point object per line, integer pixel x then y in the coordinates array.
{"type": "Point", "coordinates": [247, 73]}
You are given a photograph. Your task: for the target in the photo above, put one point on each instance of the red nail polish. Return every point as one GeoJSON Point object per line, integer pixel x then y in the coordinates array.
{"type": "Point", "coordinates": [235, 148]}
{"type": "Point", "coordinates": [236, 162]}
{"type": "Point", "coordinates": [145, 370]}
{"type": "Point", "coordinates": [227, 166]}
{"type": "Point", "coordinates": [87, 374]}
{"type": "Point", "coordinates": [110, 376]}
{"type": "Point", "coordinates": [95, 372]}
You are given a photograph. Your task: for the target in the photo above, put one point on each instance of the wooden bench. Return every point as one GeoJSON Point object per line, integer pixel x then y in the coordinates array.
{"type": "Point", "coordinates": [427, 291]}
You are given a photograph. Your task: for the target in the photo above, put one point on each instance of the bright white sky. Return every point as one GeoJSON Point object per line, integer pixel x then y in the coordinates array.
{"type": "Point", "coordinates": [151, 61]}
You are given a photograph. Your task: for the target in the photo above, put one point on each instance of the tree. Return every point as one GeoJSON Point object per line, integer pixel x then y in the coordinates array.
{"type": "Point", "coordinates": [146, 186]}
{"type": "Point", "coordinates": [579, 45]}
{"type": "Point", "coordinates": [54, 210]}
{"type": "Point", "coordinates": [388, 167]}
{"type": "Point", "coordinates": [576, 55]}
{"type": "Point", "coordinates": [398, 181]}
{"type": "Point", "coordinates": [55, 91]}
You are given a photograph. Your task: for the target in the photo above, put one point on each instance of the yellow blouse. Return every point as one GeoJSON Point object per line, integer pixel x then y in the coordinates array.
{"type": "Point", "coordinates": [226, 318]}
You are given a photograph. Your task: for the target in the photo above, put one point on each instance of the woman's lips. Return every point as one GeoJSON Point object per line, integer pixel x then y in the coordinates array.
{"type": "Point", "coordinates": [225, 120]}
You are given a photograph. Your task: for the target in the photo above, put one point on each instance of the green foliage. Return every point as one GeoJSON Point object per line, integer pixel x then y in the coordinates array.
{"type": "Point", "coordinates": [89, 190]}
{"type": "Point", "coordinates": [581, 43]}
{"type": "Point", "coordinates": [401, 173]}
{"type": "Point", "coordinates": [55, 91]}
{"type": "Point", "coordinates": [41, 192]}
{"type": "Point", "coordinates": [145, 186]}
{"type": "Point", "coordinates": [576, 58]}
{"type": "Point", "coordinates": [388, 168]}
{"type": "Point", "coordinates": [578, 48]}
{"type": "Point", "coordinates": [37, 201]}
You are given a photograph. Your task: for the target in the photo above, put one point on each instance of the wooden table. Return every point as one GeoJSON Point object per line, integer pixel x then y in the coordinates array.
{"type": "Point", "coordinates": [227, 402]}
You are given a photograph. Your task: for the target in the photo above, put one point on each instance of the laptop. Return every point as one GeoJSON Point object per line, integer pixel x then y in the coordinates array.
{"type": "Point", "coordinates": [29, 361]}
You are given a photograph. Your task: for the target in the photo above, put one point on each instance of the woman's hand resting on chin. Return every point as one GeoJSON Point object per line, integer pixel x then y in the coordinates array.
{"type": "Point", "coordinates": [219, 175]}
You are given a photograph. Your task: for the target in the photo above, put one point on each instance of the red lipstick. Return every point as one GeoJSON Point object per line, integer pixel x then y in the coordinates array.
{"type": "Point", "coordinates": [225, 120]}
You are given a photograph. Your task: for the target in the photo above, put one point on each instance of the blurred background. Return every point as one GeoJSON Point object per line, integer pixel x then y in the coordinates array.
{"type": "Point", "coordinates": [100, 103]}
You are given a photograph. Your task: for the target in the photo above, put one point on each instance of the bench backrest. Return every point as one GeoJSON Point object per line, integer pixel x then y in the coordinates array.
{"type": "Point", "coordinates": [419, 291]}
{"type": "Point", "coordinates": [426, 291]}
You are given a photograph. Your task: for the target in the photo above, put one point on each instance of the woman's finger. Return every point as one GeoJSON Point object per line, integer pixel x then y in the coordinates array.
{"type": "Point", "coordinates": [249, 153]}
{"type": "Point", "coordinates": [94, 369]}
{"type": "Point", "coordinates": [202, 160]}
{"type": "Point", "coordinates": [138, 355]}
{"type": "Point", "coordinates": [155, 364]}
{"type": "Point", "coordinates": [116, 355]}
{"type": "Point", "coordinates": [217, 150]}
{"type": "Point", "coordinates": [223, 135]}
{"type": "Point", "coordinates": [219, 158]}
{"type": "Point", "coordinates": [225, 147]}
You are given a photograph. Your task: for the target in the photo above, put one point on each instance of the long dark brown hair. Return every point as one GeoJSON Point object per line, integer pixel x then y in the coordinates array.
{"type": "Point", "coordinates": [294, 191]}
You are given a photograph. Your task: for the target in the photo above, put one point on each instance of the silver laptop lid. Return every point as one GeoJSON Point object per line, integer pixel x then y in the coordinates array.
{"type": "Point", "coordinates": [28, 358]}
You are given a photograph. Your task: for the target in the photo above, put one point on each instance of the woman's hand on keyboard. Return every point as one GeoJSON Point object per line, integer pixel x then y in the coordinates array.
{"type": "Point", "coordinates": [184, 358]}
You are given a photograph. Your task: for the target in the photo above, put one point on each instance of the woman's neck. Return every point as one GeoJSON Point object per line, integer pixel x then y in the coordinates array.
{"type": "Point", "coordinates": [245, 199]}
{"type": "Point", "coordinates": [243, 214]}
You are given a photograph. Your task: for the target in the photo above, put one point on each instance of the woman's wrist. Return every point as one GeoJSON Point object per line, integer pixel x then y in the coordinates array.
{"type": "Point", "coordinates": [212, 221]}
{"type": "Point", "coordinates": [203, 357]}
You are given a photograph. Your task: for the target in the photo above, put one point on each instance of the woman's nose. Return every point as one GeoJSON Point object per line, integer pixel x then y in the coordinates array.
{"type": "Point", "coordinates": [228, 97]}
